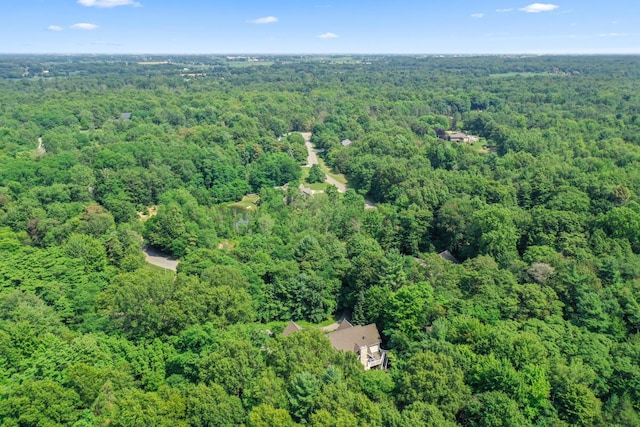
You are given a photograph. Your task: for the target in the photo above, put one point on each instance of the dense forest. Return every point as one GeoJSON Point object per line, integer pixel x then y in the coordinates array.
{"type": "Point", "coordinates": [532, 318]}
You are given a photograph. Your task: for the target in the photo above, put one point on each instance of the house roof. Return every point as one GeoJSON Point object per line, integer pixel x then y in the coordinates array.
{"type": "Point", "coordinates": [291, 328]}
{"type": "Point", "coordinates": [458, 135]}
{"type": "Point", "coordinates": [344, 324]}
{"type": "Point", "coordinates": [350, 339]}
{"type": "Point", "coordinates": [455, 135]}
{"type": "Point", "coordinates": [449, 257]}
{"type": "Point", "coordinates": [125, 116]}
{"type": "Point", "coordinates": [346, 143]}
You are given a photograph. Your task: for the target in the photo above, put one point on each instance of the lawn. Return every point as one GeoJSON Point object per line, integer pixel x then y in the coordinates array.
{"type": "Point", "coordinates": [315, 186]}
{"type": "Point", "coordinates": [303, 323]}
{"type": "Point", "coordinates": [320, 186]}
{"type": "Point", "coordinates": [248, 202]}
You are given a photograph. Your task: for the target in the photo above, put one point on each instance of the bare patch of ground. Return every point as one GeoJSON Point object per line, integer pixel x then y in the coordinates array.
{"type": "Point", "coordinates": [151, 211]}
{"type": "Point", "coordinates": [226, 245]}
{"type": "Point", "coordinates": [40, 150]}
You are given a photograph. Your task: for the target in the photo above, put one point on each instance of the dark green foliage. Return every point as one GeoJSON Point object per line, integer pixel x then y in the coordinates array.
{"type": "Point", "coordinates": [538, 323]}
{"type": "Point", "coordinates": [303, 391]}
{"type": "Point", "coordinates": [180, 225]}
{"type": "Point", "coordinates": [424, 414]}
{"type": "Point", "coordinates": [39, 403]}
{"type": "Point", "coordinates": [496, 409]}
{"type": "Point", "coordinates": [315, 175]}
{"type": "Point", "coordinates": [148, 303]}
{"type": "Point", "coordinates": [432, 378]}
{"type": "Point", "coordinates": [273, 170]}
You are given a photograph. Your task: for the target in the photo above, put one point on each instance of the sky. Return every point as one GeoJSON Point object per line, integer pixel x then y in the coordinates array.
{"type": "Point", "coordinates": [320, 26]}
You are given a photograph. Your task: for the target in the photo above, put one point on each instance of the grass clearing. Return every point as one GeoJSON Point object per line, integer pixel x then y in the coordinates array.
{"type": "Point", "coordinates": [155, 268]}
{"type": "Point", "coordinates": [305, 173]}
{"type": "Point", "coordinates": [308, 325]}
{"type": "Point", "coordinates": [482, 147]}
{"type": "Point", "coordinates": [248, 202]}
{"type": "Point", "coordinates": [318, 186]}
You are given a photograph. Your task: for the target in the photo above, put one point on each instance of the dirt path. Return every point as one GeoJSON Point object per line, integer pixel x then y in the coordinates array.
{"type": "Point", "coordinates": [157, 258]}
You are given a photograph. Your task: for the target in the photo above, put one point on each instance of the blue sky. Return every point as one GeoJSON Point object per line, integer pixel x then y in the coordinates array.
{"type": "Point", "coordinates": [320, 26]}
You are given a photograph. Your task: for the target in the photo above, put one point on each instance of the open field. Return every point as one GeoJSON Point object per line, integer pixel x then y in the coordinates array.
{"type": "Point", "coordinates": [248, 202]}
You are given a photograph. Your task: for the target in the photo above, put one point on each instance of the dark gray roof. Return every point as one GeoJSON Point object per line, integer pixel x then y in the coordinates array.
{"type": "Point", "coordinates": [447, 255]}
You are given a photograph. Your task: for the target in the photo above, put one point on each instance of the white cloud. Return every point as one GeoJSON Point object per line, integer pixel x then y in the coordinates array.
{"type": "Point", "coordinates": [84, 26]}
{"type": "Point", "coordinates": [510, 9]}
{"type": "Point", "coordinates": [477, 15]}
{"type": "Point", "coordinates": [328, 36]}
{"type": "Point", "coordinates": [54, 28]}
{"type": "Point", "coordinates": [264, 20]}
{"type": "Point", "coordinates": [108, 3]}
{"type": "Point", "coordinates": [539, 7]}
{"type": "Point", "coordinates": [613, 35]}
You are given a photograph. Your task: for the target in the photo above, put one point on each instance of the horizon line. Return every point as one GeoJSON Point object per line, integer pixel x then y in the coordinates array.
{"type": "Point", "coordinates": [320, 54]}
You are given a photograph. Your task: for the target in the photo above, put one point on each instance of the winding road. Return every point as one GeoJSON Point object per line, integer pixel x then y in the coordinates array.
{"type": "Point", "coordinates": [157, 258]}
{"type": "Point", "coordinates": [312, 159]}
